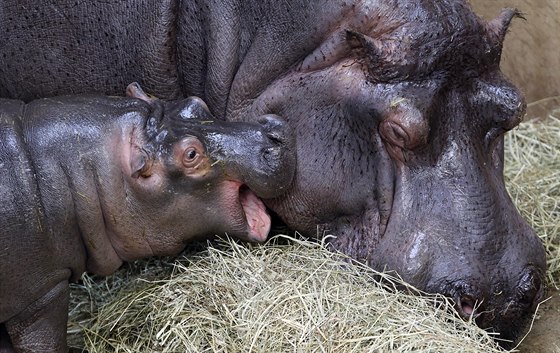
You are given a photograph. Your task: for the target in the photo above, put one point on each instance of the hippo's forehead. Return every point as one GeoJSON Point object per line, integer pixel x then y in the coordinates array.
{"type": "Point", "coordinates": [414, 40]}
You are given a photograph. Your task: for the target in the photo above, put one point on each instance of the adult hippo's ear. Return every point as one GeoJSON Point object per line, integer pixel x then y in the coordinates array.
{"type": "Point", "coordinates": [498, 27]}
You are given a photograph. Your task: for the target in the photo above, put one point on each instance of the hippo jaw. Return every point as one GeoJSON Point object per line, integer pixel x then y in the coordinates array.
{"type": "Point", "coordinates": [256, 216]}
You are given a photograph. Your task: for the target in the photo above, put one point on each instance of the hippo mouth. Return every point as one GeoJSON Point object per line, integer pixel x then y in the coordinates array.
{"type": "Point", "coordinates": [256, 216]}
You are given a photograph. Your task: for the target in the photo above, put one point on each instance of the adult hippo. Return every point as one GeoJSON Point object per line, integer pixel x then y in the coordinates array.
{"type": "Point", "coordinates": [87, 182]}
{"type": "Point", "coordinates": [399, 109]}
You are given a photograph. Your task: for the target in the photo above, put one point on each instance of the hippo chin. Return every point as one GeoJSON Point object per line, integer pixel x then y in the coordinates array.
{"type": "Point", "coordinates": [399, 110]}
{"type": "Point", "coordinates": [88, 182]}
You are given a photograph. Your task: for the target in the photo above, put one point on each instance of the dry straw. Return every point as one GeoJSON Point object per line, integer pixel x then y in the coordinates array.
{"type": "Point", "coordinates": [297, 296]}
{"type": "Point", "coordinates": [291, 297]}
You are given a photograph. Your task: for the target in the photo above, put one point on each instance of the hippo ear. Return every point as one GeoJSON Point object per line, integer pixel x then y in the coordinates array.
{"type": "Point", "coordinates": [135, 91]}
{"type": "Point", "coordinates": [499, 26]}
{"type": "Point", "coordinates": [194, 108]}
{"type": "Point", "coordinates": [140, 163]}
{"type": "Point", "coordinates": [332, 50]}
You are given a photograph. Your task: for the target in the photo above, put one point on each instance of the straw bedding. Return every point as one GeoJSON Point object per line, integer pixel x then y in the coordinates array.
{"type": "Point", "coordinates": [292, 295]}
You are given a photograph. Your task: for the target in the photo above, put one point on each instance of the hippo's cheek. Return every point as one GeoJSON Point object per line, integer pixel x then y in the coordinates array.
{"type": "Point", "coordinates": [416, 260]}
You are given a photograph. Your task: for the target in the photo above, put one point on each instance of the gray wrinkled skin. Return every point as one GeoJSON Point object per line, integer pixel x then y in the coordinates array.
{"type": "Point", "coordinates": [399, 109]}
{"type": "Point", "coordinates": [88, 182]}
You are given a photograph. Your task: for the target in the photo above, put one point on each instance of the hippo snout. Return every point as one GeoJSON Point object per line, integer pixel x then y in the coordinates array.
{"type": "Point", "coordinates": [259, 154]}
{"type": "Point", "coordinates": [498, 306]}
{"type": "Point", "coordinates": [277, 155]}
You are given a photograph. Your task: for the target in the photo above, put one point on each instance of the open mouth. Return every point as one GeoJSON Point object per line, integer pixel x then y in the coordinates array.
{"type": "Point", "coordinates": [256, 215]}
{"type": "Point", "coordinates": [466, 306]}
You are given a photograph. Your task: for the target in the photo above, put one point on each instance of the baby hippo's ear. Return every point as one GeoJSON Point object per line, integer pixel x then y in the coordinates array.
{"type": "Point", "coordinates": [135, 91]}
{"type": "Point", "coordinates": [140, 164]}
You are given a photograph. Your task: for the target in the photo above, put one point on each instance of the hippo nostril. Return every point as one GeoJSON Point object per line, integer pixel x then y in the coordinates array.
{"type": "Point", "coordinates": [468, 300]}
{"type": "Point", "coordinates": [275, 127]}
{"type": "Point", "coordinates": [530, 289]}
{"type": "Point", "coordinates": [271, 121]}
{"type": "Point", "coordinates": [270, 155]}
{"type": "Point", "coordinates": [275, 137]}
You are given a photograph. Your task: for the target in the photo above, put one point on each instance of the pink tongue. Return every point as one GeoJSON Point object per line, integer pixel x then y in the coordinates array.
{"type": "Point", "coordinates": [256, 215]}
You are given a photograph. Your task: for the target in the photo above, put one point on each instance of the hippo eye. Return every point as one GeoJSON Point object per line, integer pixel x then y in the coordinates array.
{"type": "Point", "coordinates": [191, 157]}
{"type": "Point", "coordinates": [191, 154]}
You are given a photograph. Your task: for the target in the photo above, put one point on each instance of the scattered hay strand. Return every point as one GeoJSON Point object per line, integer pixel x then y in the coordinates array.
{"type": "Point", "coordinates": [299, 296]}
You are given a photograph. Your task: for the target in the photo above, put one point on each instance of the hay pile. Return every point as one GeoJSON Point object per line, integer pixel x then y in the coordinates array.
{"type": "Point", "coordinates": [294, 297]}
{"type": "Point", "coordinates": [297, 296]}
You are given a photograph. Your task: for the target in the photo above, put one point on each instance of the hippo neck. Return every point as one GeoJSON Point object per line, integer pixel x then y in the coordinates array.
{"type": "Point", "coordinates": [253, 43]}
{"type": "Point", "coordinates": [210, 79]}
{"type": "Point", "coordinates": [113, 217]}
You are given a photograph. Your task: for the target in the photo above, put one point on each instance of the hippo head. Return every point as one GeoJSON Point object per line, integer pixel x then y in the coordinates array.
{"type": "Point", "coordinates": [400, 111]}
{"type": "Point", "coordinates": [193, 176]}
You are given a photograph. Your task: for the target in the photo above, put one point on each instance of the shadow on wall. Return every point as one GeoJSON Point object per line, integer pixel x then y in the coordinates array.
{"type": "Point", "coordinates": [531, 54]}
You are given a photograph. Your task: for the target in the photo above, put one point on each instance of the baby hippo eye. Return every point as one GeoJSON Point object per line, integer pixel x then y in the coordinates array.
{"type": "Point", "coordinates": [190, 154]}
{"type": "Point", "coordinates": [191, 157]}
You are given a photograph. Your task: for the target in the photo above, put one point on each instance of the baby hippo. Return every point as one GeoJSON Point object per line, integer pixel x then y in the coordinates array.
{"type": "Point", "coordinates": [87, 182]}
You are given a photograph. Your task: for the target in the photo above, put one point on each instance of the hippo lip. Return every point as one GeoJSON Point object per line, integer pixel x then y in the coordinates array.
{"type": "Point", "coordinates": [246, 214]}
{"type": "Point", "coordinates": [256, 217]}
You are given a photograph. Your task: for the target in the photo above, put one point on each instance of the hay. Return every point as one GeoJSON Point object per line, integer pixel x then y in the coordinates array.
{"type": "Point", "coordinates": [298, 296]}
